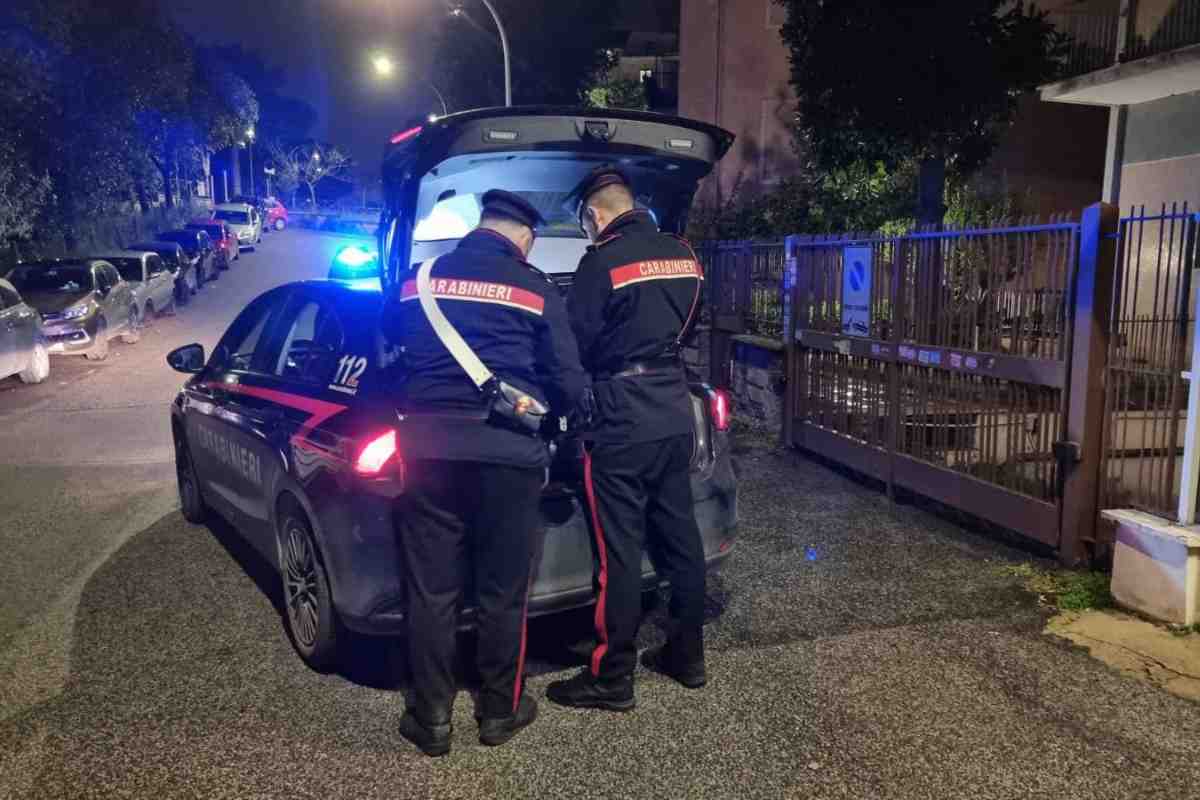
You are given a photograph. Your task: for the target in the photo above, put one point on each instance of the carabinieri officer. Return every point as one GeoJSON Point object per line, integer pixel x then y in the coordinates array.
{"type": "Point", "coordinates": [470, 511]}
{"type": "Point", "coordinates": [633, 302]}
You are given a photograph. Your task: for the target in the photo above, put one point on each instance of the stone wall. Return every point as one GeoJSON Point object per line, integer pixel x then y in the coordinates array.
{"type": "Point", "coordinates": [696, 356]}
{"type": "Point", "coordinates": [758, 381]}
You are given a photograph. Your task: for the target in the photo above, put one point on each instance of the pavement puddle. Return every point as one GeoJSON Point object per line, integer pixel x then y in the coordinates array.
{"type": "Point", "coordinates": [1135, 648]}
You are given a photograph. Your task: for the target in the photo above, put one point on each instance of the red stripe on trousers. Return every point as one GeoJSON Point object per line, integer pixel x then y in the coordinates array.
{"type": "Point", "coordinates": [524, 636]}
{"type": "Point", "coordinates": [601, 627]}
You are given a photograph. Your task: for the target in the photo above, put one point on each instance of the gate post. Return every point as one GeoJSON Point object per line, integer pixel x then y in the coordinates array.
{"type": "Point", "coordinates": [1090, 325]}
{"type": "Point", "coordinates": [787, 291]}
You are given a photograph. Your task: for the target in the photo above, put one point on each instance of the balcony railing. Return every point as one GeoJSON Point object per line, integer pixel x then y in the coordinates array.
{"type": "Point", "coordinates": [1094, 37]}
{"type": "Point", "coordinates": [1093, 40]}
{"type": "Point", "coordinates": [1154, 34]}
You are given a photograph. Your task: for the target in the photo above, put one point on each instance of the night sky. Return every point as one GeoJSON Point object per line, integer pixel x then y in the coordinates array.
{"type": "Point", "coordinates": [324, 45]}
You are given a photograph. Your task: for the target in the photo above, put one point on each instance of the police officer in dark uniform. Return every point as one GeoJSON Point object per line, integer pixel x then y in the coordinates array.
{"type": "Point", "coordinates": [635, 297]}
{"type": "Point", "coordinates": [470, 513]}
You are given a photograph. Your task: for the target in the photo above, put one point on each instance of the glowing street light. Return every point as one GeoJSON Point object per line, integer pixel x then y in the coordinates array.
{"type": "Point", "coordinates": [383, 65]}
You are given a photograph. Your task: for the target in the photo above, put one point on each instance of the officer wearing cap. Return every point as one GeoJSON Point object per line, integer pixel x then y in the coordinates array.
{"type": "Point", "coordinates": [633, 301]}
{"type": "Point", "coordinates": [470, 512]}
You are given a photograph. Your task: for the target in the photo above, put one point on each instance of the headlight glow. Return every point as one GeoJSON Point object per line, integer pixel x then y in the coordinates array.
{"type": "Point", "coordinates": [75, 312]}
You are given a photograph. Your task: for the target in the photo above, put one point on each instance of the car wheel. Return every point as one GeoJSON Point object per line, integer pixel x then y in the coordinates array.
{"type": "Point", "coordinates": [280, 224]}
{"type": "Point", "coordinates": [39, 365]}
{"type": "Point", "coordinates": [99, 350]}
{"type": "Point", "coordinates": [133, 328]}
{"type": "Point", "coordinates": [191, 501]}
{"type": "Point", "coordinates": [311, 621]}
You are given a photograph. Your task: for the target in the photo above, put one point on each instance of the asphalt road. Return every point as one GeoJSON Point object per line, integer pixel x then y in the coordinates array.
{"type": "Point", "coordinates": [856, 649]}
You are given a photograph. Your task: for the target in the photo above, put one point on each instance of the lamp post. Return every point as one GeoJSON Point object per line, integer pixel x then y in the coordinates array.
{"type": "Point", "coordinates": [250, 150]}
{"type": "Point", "coordinates": [384, 67]}
{"type": "Point", "coordinates": [458, 12]}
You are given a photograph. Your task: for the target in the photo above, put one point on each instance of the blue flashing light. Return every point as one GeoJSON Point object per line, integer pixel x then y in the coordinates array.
{"type": "Point", "coordinates": [810, 554]}
{"type": "Point", "coordinates": [354, 256]}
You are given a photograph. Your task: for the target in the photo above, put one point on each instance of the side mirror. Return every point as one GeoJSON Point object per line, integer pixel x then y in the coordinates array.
{"type": "Point", "coordinates": [103, 289]}
{"type": "Point", "coordinates": [189, 358]}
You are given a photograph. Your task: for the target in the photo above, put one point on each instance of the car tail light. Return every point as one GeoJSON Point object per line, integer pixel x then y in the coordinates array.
{"type": "Point", "coordinates": [721, 408]}
{"type": "Point", "coordinates": [375, 454]}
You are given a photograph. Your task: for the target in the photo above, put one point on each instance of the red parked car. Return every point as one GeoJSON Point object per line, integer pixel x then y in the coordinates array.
{"type": "Point", "coordinates": [275, 215]}
{"type": "Point", "coordinates": [225, 244]}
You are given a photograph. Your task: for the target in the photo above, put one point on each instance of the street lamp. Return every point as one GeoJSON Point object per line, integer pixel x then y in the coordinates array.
{"type": "Point", "coordinates": [457, 11]}
{"type": "Point", "coordinates": [250, 150]}
{"type": "Point", "coordinates": [383, 65]}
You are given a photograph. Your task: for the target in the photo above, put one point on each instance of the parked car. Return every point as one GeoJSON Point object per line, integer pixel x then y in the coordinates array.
{"type": "Point", "coordinates": [224, 242]}
{"type": "Point", "coordinates": [243, 219]}
{"type": "Point", "coordinates": [275, 216]}
{"type": "Point", "coordinates": [83, 302]}
{"type": "Point", "coordinates": [23, 349]}
{"type": "Point", "coordinates": [152, 284]}
{"type": "Point", "coordinates": [197, 246]}
{"type": "Point", "coordinates": [289, 430]}
{"type": "Point", "coordinates": [177, 263]}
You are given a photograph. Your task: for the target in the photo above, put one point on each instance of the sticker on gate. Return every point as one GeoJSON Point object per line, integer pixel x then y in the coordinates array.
{"type": "Point", "coordinates": [350, 369]}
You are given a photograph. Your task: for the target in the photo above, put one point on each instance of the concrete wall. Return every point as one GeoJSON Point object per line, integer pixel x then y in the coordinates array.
{"type": "Point", "coordinates": [758, 381]}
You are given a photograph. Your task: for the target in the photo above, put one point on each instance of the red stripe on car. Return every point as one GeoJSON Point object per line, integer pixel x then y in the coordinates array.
{"type": "Point", "coordinates": [479, 292]}
{"type": "Point", "coordinates": [318, 410]}
{"type": "Point", "coordinates": [655, 270]}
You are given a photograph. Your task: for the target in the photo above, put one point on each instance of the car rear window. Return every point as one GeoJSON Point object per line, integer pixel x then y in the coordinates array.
{"type": "Point", "coordinates": [130, 268]}
{"type": "Point", "coordinates": [64, 279]}
{"type": "Point", "coordinates": [236, 217]}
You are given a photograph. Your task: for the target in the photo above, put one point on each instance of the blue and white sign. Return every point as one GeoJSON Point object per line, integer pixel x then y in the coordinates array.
{"type": "Point", "coordinates": [856, 291]}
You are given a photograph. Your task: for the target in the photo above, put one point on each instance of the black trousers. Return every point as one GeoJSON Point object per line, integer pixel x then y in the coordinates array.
{"type": "Point", "coordinates": [462, 523]}
{"type": "Point", "coordinates": [641, 496]}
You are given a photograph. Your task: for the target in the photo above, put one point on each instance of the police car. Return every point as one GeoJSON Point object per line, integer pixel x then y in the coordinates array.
{"type": "Point", "coordinates": [287, 429]}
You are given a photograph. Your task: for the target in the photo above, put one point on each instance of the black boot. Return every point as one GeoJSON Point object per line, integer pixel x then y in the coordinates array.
{"type": "Point", "coordinates": [495, 731]}
{"type": "Point", "coordinates": [587, 691]}
{"type": "Point", "coordinates": [659, 659]}
{"type": "Point", "coordinates": [432, 739]}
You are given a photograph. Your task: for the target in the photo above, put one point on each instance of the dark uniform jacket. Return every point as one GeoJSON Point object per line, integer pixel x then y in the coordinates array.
{"type": "Point", "coordinates": [630, 299]}
{"type": "Point", "coordinates": [515, 320]}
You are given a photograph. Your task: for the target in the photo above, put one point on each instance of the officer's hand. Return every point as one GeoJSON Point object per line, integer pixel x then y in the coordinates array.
{"type": "Point", "coordinates": [584, 414]}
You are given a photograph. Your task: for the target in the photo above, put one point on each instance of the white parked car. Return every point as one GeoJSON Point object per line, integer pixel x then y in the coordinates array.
{"type": "Point", "coordinates": [244, 220]}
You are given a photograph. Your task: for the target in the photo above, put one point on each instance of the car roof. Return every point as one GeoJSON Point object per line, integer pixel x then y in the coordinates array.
{"type": "Point", "coordinates": [123, 254]}
{"type": "Point", "coordinates": [232, 207]}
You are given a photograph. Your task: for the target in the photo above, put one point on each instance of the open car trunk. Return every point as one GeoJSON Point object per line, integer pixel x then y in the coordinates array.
{"type": "Point", "coordinates": [434, 175]}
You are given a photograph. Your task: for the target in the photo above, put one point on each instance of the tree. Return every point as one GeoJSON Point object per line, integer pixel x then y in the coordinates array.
{"type": "Point", "coordinates": [308, 165]}
{"type": "Point", "coordinates": [616, 91]}
{"type": "Point", "coordinates": [553, 61]}
{"type": "Point", "coordinates": [934, 82]}
{"type": "Point", "coordinates": [287, 169]}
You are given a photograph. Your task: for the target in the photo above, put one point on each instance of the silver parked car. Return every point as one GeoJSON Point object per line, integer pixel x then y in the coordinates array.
{"type": "Point", "coordinates": [84, 302]}
{"type": "Point", "coordinates": [243, 220]}
{"type": "Point", "coordinates": [152, 283]}
{"type": "Point", "coordinates": [23, 349]}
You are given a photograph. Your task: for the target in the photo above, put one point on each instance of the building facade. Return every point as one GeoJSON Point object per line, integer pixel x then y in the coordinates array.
{"type": "Point", "coordinates": [1139, 62]}
{"type": "Point", "coordinates": [734, 72]}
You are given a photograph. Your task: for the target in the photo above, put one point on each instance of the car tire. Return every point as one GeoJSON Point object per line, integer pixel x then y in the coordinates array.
{"type": "Point", "coordinates": [308, 602]}
{"type": "Point", "coordinates": [38, 368]}
{"type": "Point", "coordinates": [280, 224]}
{"type": "Point", "coordinates": [191, 500]}
{"type": "Point", "coordinates": [133, 328]}
{"type": "Point", "coordinates": [99, 350]}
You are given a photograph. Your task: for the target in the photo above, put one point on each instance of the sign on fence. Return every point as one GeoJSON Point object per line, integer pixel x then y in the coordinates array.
{"type": "Point", "coordinates": [856, 291]}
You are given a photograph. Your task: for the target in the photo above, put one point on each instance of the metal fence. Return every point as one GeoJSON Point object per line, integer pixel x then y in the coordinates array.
{"type": "Point", "coordinates": [742, 285]}
{"type": "Point", "coordinates": [1149, 349]}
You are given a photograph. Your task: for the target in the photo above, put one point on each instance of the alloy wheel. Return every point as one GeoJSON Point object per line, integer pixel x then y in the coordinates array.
{"type": "Point", "coordinates": [300, 585]}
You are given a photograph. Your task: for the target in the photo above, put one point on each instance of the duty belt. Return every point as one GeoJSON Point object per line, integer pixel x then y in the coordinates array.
{"type": "Point", "coordinates": [648, 367]}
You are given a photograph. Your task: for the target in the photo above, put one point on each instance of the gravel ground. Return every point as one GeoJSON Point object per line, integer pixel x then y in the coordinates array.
{"type": "Point", "coordinates": [856, 649]}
